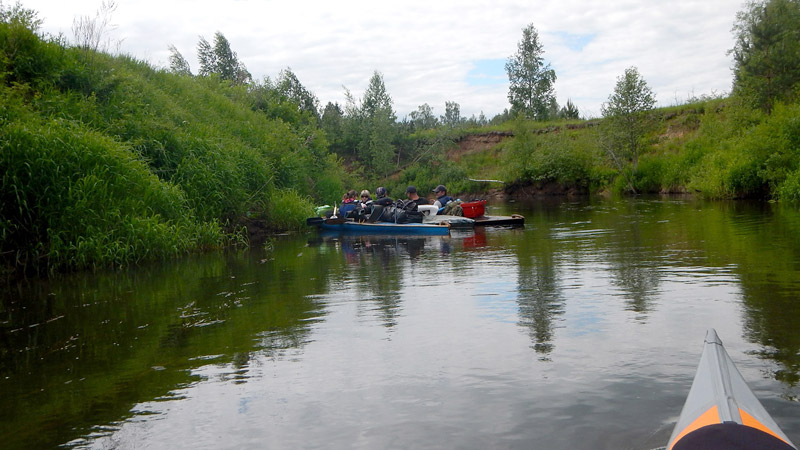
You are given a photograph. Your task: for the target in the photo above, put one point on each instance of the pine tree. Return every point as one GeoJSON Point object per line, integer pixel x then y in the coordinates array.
{"type": "Point", "coordinates": [767, 52]}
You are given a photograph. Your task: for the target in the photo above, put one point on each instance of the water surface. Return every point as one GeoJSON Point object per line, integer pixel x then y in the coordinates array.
{"type": "Point", "coordinates": [582, 330]}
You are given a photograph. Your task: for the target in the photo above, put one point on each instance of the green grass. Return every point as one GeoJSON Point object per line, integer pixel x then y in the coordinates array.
{"type": "Point", "coordinates": [108, 161]}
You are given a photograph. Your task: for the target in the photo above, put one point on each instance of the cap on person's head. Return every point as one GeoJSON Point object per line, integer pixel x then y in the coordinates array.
{"type": "Point", "coordinates": [411, 190]}
{"type": "Point", "coordinates": [440, 188]}
{"type": "Point", "coordinates": [380, 192]}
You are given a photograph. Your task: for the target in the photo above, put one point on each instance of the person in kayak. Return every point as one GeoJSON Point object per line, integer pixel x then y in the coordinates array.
{"type": "Point", "coordinates": [441, 196]}
{"type": "Point", "coordinates": [348, 203]}
{"type": "Point", "coordinates": [349, 196]}
{"type": "Point", "coordinates": [413, 196]}
{"type": "Point", "coordinates": [381, 201]}
{"type": "Point", "coordinates": [366, 199]}
{"type": "Point", "coordinates": [382, 198]}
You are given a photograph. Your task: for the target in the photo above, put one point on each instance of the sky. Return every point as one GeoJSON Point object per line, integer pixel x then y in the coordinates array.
{"type": "Point", "coordinates": [435, 51]}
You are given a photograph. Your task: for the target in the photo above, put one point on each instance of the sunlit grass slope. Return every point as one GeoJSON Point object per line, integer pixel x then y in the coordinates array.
{"type": "Point", "coordinates": [107, 160]}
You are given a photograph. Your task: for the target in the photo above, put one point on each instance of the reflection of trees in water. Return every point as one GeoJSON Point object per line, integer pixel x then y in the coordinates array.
{"type": "Point", "coordinates": [274, 344]}
{"type": "Point", "coordinates": [772, 312]}
{"type": "Point", "coordinates": [379, 269]}
{"type": "Point", "coordinates": [764, 248]}
{"type": "Point", "coordinates": [633, 269]}
{"type": "Point", "coordinates": [539, 293]}
{"type": "Point", "coordinates": [638, 283]}
{"type": "Point", "coordinates": [121, 337]}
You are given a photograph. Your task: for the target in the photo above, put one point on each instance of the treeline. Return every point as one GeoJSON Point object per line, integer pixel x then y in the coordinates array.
{"type": "Point", "coordinates": [365, 133]}
{"type": "Point", "coordinates": [744, 145]}
{"type": "Point", "coordinates": [107, 161]}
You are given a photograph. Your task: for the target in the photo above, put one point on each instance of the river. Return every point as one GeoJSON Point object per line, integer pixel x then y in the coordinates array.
{"type": "Point", "coordinates": [581, 330]}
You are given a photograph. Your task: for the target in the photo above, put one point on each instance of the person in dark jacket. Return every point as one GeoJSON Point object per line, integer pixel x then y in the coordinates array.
{"type": "Point", "coordinates": [441, 196]}
{"type": "Point", "coordinates": [382, 200]}
{"type": "Point", "coordinates": [413, 196]}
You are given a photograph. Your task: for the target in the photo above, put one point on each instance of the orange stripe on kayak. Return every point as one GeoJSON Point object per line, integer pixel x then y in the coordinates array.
{"type": "Point", "coordinates": [710, 417]}
{"type": "Point", "coordinates": [751, 421]}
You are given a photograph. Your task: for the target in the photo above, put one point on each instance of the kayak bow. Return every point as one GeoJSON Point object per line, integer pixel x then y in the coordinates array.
{"type": "Point", "coordinates": [721, 412]}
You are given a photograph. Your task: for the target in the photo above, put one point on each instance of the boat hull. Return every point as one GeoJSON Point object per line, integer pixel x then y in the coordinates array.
{"type": "Point", "coordinates": [721, 411]}
{"type": "Point", "coordinates": [386, 228]}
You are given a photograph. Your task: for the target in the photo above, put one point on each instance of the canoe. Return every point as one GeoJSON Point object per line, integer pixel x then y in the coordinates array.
{"type": "Point", "coordinates": [347, 226]}
{"type": "Point", "coordinates": [721, 412]}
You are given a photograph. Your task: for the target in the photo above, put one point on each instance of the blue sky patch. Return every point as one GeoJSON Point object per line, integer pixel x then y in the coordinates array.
{"type": "Point", "coordinates": [575, 42]}
{"type": "Point", "coordinates": [486, 72]}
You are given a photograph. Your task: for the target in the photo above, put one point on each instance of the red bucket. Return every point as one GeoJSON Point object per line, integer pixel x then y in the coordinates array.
{"type": "Point", "coordinates": [473, 209]}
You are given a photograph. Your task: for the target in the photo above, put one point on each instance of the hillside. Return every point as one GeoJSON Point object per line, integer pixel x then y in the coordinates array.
{"type": "Point", "coordinates": [715, 148]}
{"type": "Point", "coordinates": [106, 160]}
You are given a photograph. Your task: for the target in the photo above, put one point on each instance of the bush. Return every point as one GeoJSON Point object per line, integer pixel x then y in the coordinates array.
{"type": "Point", "coordinates": [74, 198]}
{"type": "Point", "coordinates": [108, 161]}
{"type": "Point", "coordinates": [789, 190]}
{"type": "Point", "coordinates": [285, 209]}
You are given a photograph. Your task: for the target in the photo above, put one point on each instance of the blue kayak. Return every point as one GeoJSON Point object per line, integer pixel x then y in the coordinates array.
{"type": "Point", "coordinates": [721, 412]}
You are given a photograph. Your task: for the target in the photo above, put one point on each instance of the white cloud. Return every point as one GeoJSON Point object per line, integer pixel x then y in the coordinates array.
{"type": "Point", "coordinates": [426, 49]}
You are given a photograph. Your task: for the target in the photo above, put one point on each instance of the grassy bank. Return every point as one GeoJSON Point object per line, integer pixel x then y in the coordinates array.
{"type": "Point", "coordinates": [715, 148]}
{"type": "Point", "coordinates": [106, 160]}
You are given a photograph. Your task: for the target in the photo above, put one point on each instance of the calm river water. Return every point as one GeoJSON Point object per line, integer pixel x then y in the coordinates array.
{"type": "Point", "coordinates": [580, 331]}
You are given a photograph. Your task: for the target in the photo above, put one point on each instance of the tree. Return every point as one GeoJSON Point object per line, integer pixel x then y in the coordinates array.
{"type": "Point", "coordinates": [501, 118]}
{"type": "Point", "coordinates": [531, 91]}
{"type": "Point", "coordinates": [569, 111]}
{"type": "Point", "coordinates": [285, 99]}
{"type": "Point", "coordinates": [626, 122]}
{"type": "Point", "coordinates": [206, 57]}
{"type": "Point", "coordinates": [370, 126]}
{"type": "Point", "coordinates": [331, 124]}
{"type": "Point", "coordinates": [227, 61]}
{"type": "Point", "coordinates": [293, 90]}
{"type": "Point", "coordinates": [480, 121]}
{"type": "Point", "coordinates": [177, 63]}
{"type": "Point", "coordinates": [452, 114]}
{"type": "Point", "coordinates": [766, 54]}
{"type": "Point", "coordinates": [423, 118]}
{"type": "Point", "coordinates": [376, 98]}
{"type": "Point", "coordinates": [221, 60]}
{"type": "Point", "coordinates": [18, 15]}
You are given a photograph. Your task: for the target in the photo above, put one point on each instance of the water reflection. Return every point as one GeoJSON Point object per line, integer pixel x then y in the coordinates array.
{"type": "Point", "coordinates": [539, 291]}
{"type": "Point", "coordinates": [585, 319]}
{"type": "Point", "coordinates": [634, 269]}
{"type": "Point", "coordinates": [111, 339]}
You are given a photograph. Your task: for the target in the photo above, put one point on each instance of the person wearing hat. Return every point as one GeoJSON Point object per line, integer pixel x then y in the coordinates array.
{"type": "Point", "coordinates": [411, 193]}
{"type": "Point", "coordinates": [441, 196]}
{"type": "Point", "coordinates": [381, 201]}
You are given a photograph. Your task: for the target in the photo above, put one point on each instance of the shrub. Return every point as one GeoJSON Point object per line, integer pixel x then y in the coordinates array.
{"type": "Point", "coordinates": [789, 190]}
{"type": "Point", "coordinates": [285, 209]}
{"type": "Point", "coordinates": [75, 198]}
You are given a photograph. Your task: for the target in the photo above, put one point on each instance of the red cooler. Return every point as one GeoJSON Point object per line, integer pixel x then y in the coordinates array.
{"type": "Point", "coordinates": [473, 209]}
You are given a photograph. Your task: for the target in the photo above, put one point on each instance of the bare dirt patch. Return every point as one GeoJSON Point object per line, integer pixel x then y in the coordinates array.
{"type": "Point", "coordinates": [477, 143]}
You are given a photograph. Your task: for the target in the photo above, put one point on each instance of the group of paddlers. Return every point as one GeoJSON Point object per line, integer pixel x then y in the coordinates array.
{"type": "Point", "coordinates": [383, 209]}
